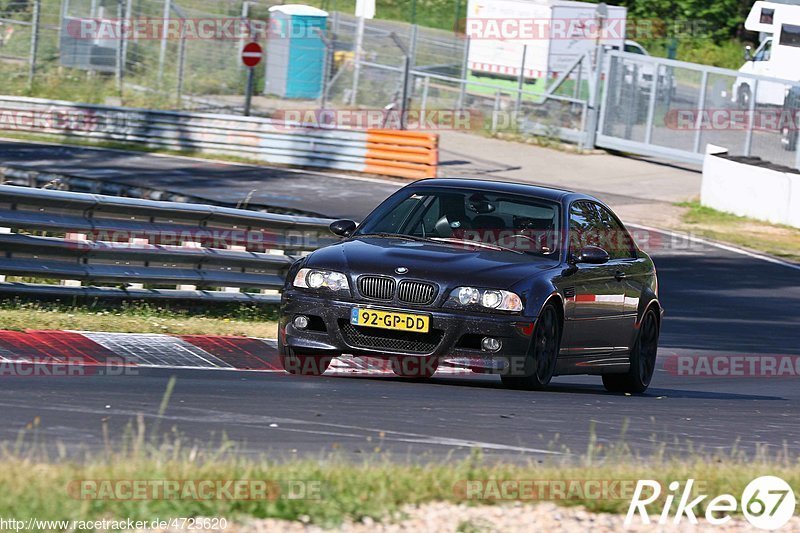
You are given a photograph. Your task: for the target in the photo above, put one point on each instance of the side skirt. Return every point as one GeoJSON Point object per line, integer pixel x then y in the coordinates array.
{"type": "Point", "coordinates": [594, 365]}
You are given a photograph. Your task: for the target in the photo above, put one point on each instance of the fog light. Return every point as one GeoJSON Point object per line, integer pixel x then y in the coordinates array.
{"type": "Point", "coordinates": [301, 322]}
{"type": "Point", "coordinates": [489, 344]}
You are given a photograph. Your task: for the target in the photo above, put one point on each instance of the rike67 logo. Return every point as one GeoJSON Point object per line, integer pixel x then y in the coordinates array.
{"type": "Point", "coordinates": [767, 503]}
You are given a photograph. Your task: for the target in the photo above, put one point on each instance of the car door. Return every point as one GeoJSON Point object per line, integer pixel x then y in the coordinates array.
{"type": "Point", "coordinates": [594, 298]}
{"type": "Point", "coordinates": [629, 272]}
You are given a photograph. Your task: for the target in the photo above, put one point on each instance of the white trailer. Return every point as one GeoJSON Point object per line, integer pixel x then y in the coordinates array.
{"type": "Point", "coordinates": [556, 34]}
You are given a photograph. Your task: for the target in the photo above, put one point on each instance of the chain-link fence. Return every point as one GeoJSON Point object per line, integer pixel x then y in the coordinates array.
{"type": "Point", "coordinates": [29, 34]}
{"type": "Point", "coordinates": [162, 53]}
{"type": "Point", "coordinates": [185, 54]}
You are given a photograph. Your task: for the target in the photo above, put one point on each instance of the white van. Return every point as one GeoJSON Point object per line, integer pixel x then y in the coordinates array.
{"type": "Point", "coordinates": [778, 55]}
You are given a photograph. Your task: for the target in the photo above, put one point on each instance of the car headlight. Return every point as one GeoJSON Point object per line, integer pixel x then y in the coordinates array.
{"type": "Point", "coordinates": [309, 278]}
{"type": "Point", "coordinates": [485, 299]}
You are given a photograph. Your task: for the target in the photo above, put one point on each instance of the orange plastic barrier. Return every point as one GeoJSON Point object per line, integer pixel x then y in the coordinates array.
{"type": "Point", "coordinates": [404, 154]}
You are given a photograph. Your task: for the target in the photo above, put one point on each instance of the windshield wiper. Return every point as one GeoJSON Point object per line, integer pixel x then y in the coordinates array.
{"type": "Point", "coordinates": [395, 236]}
{"type": "Point", "coordinates": [478, 244]}
{"type": "Point", "coordinates": [442, 240]}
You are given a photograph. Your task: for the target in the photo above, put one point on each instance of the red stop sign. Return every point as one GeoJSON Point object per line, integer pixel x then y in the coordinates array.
{"type": "Point", "coordinates": [252, 53]}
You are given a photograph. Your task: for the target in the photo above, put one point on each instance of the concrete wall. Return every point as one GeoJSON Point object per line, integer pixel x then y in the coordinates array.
{"type": "Point", "coordinates": [751, 191]}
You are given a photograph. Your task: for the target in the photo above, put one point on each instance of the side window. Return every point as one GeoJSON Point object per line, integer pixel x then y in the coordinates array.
{"type": "Point", "coordinates": [585, 228]}
{"type": "Point", "coordinates": [615, 240]}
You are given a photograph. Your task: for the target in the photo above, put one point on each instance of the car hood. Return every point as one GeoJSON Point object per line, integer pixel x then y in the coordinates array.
{"type": "Point", "coordinates": [448, 265]}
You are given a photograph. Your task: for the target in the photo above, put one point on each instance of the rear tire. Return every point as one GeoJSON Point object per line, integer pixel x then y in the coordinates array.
{"type": "Point", "coordinates": [305, 365]}
{"type": "Point", "coordinates": [540, 362]}
{"type": "Point", "coordinates": [643, 360]}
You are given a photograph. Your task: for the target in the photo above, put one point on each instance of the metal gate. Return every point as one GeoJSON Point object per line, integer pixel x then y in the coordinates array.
{"type": "Point", "coordinates": [673, 109]}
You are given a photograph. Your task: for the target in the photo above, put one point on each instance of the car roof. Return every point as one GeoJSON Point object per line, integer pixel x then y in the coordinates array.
{"type": "Point", "coordinates": [537, 191]}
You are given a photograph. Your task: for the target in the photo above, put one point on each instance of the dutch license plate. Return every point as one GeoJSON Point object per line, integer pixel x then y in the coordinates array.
{"type": "Point", "coordinates": [388, 320]}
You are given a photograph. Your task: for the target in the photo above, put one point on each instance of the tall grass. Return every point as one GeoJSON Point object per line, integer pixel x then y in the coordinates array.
{"type": "Point", "coordinates": [35, 474]}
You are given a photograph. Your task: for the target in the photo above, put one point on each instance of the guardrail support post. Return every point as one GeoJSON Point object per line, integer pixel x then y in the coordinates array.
{"type": "Point", "coordinates": [234, 248]}
{"type": "Point", "coordinates": [135, 242]}
{"type": "Point", "coordinates": [4, 230]}
{"type": "Point", "coordinates": [272, 292]}
{"type": "Point", "coordinates": [189, 244]}
{"type": "Point", "coordinates": [73, 237]}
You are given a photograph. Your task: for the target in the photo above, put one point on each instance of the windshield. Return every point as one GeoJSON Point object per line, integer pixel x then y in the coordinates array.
{"type": "Point", "coordinates": [495, 220]}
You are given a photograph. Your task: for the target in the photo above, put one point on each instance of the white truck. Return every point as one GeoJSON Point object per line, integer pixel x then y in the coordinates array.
{"type": "Point", "coordinates": [556, 33]}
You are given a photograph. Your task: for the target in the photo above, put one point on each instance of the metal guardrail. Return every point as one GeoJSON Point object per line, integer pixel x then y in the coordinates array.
{"type": "Point", "coordinates": [138, 249]}
{"type": "Point", "coordinates": [108, 186]}
{"type": "Point", "coordinates": [392, 153]}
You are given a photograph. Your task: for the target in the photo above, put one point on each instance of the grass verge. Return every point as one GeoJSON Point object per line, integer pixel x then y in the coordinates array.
{"type": "Point", "coordinates": [237, 320]}
{"type": "Point", "coordinates": [35, 482]}
{"type": "Point", "coordinates": [773, 239]}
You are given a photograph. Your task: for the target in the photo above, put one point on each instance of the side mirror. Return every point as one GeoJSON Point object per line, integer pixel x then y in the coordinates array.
{"type": "Point", "coordinates": [343, 228]}
{"type": "Point", "coordinates": [748, 53]}
{"type": "Point", "coordinates": [591, 255]}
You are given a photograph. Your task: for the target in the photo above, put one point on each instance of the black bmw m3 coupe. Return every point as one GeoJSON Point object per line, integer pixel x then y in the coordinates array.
{"type": "Point", "coordinates": [522, 281]}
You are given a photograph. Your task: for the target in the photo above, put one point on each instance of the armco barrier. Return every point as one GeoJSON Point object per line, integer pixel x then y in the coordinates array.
{"type": "Point", "coordinates": [133, 248]}
{"type": "Point", "coordinates": [392, 153]}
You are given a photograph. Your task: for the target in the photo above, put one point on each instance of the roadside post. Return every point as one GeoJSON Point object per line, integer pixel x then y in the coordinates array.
{"type": "Point", "coordinates": [252, 54]}
{"type": "Point", "coordinates": [601, 14]}
{"type": "Point", "coordinates": [365, 9]}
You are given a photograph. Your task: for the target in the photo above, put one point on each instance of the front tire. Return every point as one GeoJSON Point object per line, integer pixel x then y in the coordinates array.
{"type": "Point", "coordinates": [304, 365]}
{"type": "Point", "coordinates": [540, 362]}
{"type": "Point", "coordinates": [643, 360]}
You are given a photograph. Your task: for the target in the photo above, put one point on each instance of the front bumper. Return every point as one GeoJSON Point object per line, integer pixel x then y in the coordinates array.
{"type": "Point", "coordinates": [454, 335]}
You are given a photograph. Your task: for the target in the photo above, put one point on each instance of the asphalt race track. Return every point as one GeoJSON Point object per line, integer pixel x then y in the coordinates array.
{"type": "Point", "coordinates": [314, 193]}
{"type": "Point", "coordinates": [718, 303]}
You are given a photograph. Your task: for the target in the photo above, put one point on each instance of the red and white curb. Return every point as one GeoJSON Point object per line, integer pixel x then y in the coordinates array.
{"type": "Point", "coordinates": [145, 350]}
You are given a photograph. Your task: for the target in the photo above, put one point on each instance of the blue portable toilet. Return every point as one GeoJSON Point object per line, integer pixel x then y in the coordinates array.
{"type": "Point", "coordinates": [296, 51]}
